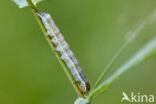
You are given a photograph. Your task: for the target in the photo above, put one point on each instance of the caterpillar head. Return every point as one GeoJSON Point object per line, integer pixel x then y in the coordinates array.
{"type": "Point", "coordinates": [84, 88]}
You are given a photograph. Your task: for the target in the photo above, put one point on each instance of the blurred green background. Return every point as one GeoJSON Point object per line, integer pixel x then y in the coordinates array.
{"type": "Point", "coordinates": [94, 29]}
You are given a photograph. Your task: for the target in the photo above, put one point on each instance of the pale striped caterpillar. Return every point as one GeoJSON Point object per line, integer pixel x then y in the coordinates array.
{"type": "Point", "coordinates": [64, 50]}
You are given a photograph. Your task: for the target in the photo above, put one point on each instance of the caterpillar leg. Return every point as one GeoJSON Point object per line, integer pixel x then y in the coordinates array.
{"type": "Point", "coordinates": [48, 33]}
{"type": "Point", "coordinates": [74, 82]}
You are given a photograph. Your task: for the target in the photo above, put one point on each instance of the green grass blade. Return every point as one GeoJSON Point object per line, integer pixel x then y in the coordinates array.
{"type": "Point", "coordinates": [143, 54]}
{"type": "Point", "coordinates": [110, 64]}
{"type": "Point", "coordinates": [130, 37]}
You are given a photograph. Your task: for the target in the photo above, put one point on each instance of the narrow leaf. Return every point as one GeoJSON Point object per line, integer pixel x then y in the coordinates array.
{"type": "Point", "coordinates": [130, 37]}
{"type": "Point", "coordinates": [148, 50]}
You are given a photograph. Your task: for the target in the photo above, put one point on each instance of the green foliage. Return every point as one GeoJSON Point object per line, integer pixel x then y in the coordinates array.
{"type": "Point", "coordinates": [142, 55]}
{"type": "Point", "coordinates": [130, 38]}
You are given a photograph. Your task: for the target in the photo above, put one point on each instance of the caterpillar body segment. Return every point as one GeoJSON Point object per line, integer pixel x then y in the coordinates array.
{"type": "Point", "coordinates": [65, 52]}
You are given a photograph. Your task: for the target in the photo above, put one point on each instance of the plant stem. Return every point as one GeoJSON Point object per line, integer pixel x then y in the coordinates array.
{"type": "Point", "coordinates": [110, 64]}
{"type": "Point", "coordinates": [35, 11]}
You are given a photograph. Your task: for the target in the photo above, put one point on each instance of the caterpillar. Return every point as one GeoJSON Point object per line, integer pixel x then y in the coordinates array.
{"type": "Point", "coordinates": [65, 52]}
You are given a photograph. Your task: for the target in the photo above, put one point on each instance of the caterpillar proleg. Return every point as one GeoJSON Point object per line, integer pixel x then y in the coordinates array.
{"type": "Point", "coordinates": [65, 52]}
